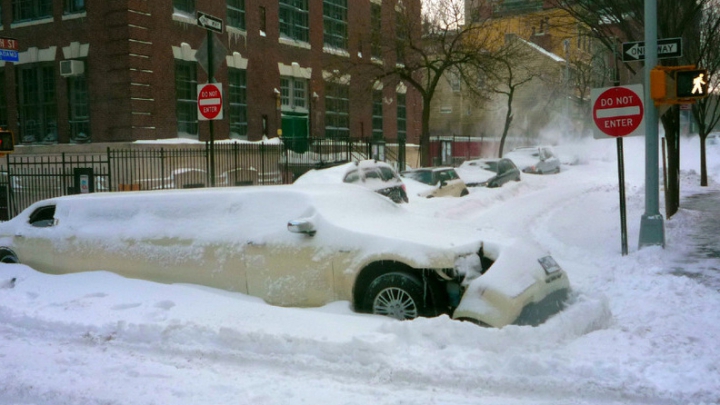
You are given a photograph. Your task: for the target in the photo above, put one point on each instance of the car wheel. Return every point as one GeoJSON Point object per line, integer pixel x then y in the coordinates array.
{"type": "Point", "coordinates": [464, 192]}
{"type": "Point", "coordinates": [8, 256]}
{"type": "Point", "coordinates": [397, 295]}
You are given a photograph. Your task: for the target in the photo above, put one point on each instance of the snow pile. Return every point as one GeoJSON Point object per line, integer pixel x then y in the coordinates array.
{"type": "Point", "coordinates": [641, 328]}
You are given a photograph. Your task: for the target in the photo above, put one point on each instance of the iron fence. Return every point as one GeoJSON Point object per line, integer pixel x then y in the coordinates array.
{"type": "Point", "coordinates": [30, 178]}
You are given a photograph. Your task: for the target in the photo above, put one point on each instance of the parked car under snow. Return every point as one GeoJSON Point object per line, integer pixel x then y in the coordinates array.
{"type": "Point", "coordinates": [293, 246]}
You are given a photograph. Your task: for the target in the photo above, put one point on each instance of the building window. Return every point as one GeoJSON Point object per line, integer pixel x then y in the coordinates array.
{"type": "Point", "coordinates": [401, 36]}
{"type": "Point", "coordinates": [293, 93]}
{"type": "Point", "coordinates": [74, 6]}
{"type": "Point", "coordinates": [335, 23]}
{"type": "Point", "coordinates": [37, 106]}
{"type": "Point", "coordinates": [79, 109]}
{"type": "Point", "coordinates": [401, 116]}
{"type": "Point", "coordinates": [186, 97]}
{"type": "Point", "coordinates": [184, 6]}
{"type": "Point", "coordinates": [377, 114]}
{"type": "Point", "coordinates": [236, 14]}
{"type": "Point", "coordinates": [238, 103]}
{"type": "Point", "coordinates": [263, 19]}
{"type": "Point", "coordinates": [375, 30]}
{"type": "Point", "coordinates": [337, 111]}
{"type": "Point", "coordinates": [294, 19]}
{"type": "Point", "coordinates": [31, 9]}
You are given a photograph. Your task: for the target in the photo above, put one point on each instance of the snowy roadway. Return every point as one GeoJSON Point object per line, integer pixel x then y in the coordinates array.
{"type": "Point", "coordinates": [637, 332]}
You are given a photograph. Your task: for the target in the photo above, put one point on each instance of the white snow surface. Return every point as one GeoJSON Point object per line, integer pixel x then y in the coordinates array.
{"type": "Point", "coordinates": [640, 329]}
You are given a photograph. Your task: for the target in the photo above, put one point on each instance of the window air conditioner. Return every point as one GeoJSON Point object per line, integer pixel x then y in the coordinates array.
{"type": "Point", "coordinates": [71, 68]}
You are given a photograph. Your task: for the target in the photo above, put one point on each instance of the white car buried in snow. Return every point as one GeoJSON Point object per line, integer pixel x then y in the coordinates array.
{"type": "Point", "coordinates": [293, 246]}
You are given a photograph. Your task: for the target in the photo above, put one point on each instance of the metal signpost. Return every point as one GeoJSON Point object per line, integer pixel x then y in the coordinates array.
{"type": "Point", "coordinates": [618, 112]}
{"type": "Point", "coordinates": [211, 24]}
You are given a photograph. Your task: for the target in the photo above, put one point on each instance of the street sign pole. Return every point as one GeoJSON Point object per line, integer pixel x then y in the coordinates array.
{"type": "Point", "coordinates": [211, 79]}
{"type": "Point", "coordinates": [211, 24]}
{"type": "Point", "coordinates": [652, 227]}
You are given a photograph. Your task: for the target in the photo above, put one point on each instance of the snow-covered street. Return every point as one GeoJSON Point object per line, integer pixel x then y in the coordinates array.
{"type": "Point", "coordinates": [640, 329]}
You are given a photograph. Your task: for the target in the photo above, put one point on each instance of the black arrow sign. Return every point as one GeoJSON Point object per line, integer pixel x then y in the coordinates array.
{"type": "Point", "coordinates": [210, 22]}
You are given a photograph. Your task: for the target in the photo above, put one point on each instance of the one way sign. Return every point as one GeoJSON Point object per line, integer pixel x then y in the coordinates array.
{"type": "Point", "coordinates": [667, 48]}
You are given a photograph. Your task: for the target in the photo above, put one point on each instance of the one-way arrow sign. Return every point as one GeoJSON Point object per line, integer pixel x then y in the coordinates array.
{"type": "Point", "coordinates": [210, 22]}
{"type": "Point", "coordinates": [667, 48]}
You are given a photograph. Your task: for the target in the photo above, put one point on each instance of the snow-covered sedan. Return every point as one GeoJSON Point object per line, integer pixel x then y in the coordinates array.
{"type": "Point", "coordinates": [293, 246]}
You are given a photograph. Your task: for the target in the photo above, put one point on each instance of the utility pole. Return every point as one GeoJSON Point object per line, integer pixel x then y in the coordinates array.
{"type": "Point", "coordinates": [652, 227]}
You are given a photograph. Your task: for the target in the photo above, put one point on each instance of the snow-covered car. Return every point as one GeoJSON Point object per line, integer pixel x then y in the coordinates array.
{"type": "Point", "coordinates": [372, 174]}
{"type": "Point", "coordinates": [436, 182]}
{"type": "Point", "coordinates": [488, 172]}
{"type": "Point", "coordinates": [535, 159]}
{"type": "Point", "coordinates": [293, 246]}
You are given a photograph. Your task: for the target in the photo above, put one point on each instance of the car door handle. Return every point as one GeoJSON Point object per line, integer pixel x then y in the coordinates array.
{"type": "Point", "coordinates": [253, 243]}
{"type": "Point", "coordinates": [19, 235]}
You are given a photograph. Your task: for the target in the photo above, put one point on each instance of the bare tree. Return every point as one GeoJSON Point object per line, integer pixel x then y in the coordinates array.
{"type": "Point", "coordinates": [613, 20]}
{"type": "Point", "coordinates": [426, 49]}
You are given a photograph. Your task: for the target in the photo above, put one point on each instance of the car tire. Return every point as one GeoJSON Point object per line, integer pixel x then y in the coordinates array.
{"type": "Point", "coordinates": [464, 192]}
{"type": "Point", "coordinates": [398, 295]}
{"type": "Point", "coordinates": [8, 256]}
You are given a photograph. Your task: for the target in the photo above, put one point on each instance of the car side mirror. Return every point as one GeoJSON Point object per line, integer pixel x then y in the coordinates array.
{"type": "Point", "coordinates": [443, 183]}
{"type": "Point", "coordinates": [302, 225]}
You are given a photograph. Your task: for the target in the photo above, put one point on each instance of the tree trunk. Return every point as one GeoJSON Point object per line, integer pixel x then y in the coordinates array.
{"type": "Point", "coordinates": [508, 121]}
{"type": "Point", "coordinates": [425, 157]}
{"type": "Point", "coordinates": [703, 162]}
{"type": "Point", "coordinates": [671, 124]}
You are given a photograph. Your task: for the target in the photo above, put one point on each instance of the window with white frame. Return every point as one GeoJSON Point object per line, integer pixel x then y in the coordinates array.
{"type": "Point", "coordinates": [335, 23]}
{"type": "Point", "coordinates": [375, 30]}
{"type": "Point", "coordinates": [377, 114]}
{"type": "Point", "coordinates": [293, 93]}
{"type": "Point", "coordinates": [37, 104]}
{"type": "Point", "coordinates": [74, 6]}
{"type": "Point", "coordinates": [236, 14]}
{"type": "Point", "coordinates": [401, 116]}
{"type": "Point", "coordinates": [337, 110]}
{"type": "Point", "coordinates": [24, 10]}
{"type": "Point", "coordinates": [237, 85]}
{"type": "Point", "coordinates": [185, 6]}
{"type": "Point", "coordinates": [79, 109]}
{"type": "Point", "coordinates": [295, 20]}
{"type": "Point", "coordinates": [186, 97]}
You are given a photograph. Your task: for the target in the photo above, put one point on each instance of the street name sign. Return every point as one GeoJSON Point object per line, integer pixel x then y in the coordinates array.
{"type": "Point", "coordinates": [666, 48]}
{"type": "Point", "coordinates": [618, 111]}
{"type": "Point", "coordinates": [210, 22]}
{"type": "Point", "coordinates": [9, 50]}
{"type": "Point", "coordinates": [209, 102]}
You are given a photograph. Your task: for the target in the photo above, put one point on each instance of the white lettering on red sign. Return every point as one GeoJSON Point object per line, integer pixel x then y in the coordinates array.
{"type": "Point", "coordinates": [618, 111]}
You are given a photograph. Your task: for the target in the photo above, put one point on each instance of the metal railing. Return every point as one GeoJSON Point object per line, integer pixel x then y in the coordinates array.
{"type": "Point", "coordinates": [30, 178]}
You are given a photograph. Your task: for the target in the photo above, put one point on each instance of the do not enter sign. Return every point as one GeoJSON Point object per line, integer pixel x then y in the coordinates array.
{"type": "Point", "coordinates": [209, 102]}
{"type": "Point", "coordinates": [618, 111]}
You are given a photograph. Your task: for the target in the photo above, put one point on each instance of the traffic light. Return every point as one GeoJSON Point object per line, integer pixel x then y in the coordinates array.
{"type": "Point", "coordinates": [7, 141]}
{"type": "Point", "coordinates": [658, 85]}
{"type": "Point", "coordinates": [691, 83]}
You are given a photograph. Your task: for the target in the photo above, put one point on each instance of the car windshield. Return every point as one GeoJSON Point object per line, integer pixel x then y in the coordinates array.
{"type": "Point", "coordinates": [422, 176]}
{"type": "Point", "coordinates": [448, 175]}
{"type": "Point", "coordinates": [387, 174]}
{"type": "Point", "coordinates": [352, 177]}
{"type": "Point", "coordinates": [490, 166]}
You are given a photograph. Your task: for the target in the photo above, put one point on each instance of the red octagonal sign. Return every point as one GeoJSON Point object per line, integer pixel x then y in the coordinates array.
{"type": "Point", "coordinates": [617, 111]}
{"type": "Point", "coordinates": [209, 102]}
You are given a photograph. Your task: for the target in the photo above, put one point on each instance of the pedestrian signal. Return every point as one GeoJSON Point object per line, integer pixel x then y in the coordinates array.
{"type": "Point", "coordinates": [691, 83]}
{"type": "Point", "coordinates": [7, 141]}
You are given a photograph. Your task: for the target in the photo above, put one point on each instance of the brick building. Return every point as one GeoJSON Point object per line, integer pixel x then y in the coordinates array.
{"type": "Point", "coordinates": [127, 70]}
